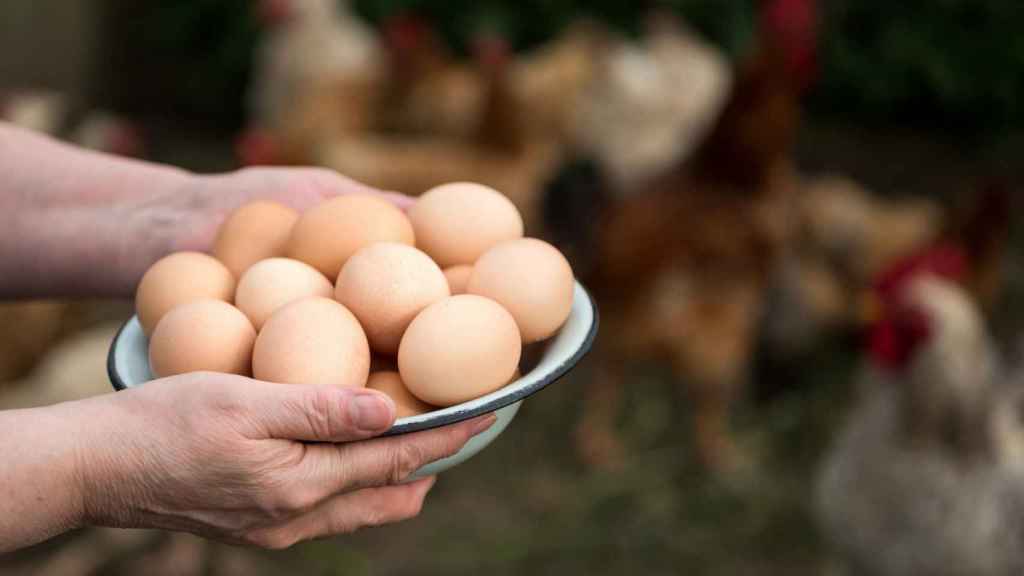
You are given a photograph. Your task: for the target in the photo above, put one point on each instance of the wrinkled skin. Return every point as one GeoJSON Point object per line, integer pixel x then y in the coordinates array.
{"type": "Point", "coordinates": [230, 458]}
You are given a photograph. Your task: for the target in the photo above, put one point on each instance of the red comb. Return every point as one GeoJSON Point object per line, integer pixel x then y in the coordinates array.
{"type": "Point", "coordinates": [947, 261]}
{"type": "Point", "coordinates": [274, 12]}
{"type": "Point", "coordinates": [793, 27]}
{"type": "Point", "coordinates": [492, 51]}
{"type": "Point", "coordinates": [256, 147]}
{"type": "Point", "coordinates": [128, 140]}
{"type": "Point", "coordinates": [405, 32]}
{"type": "Point", "coordinates": [893, 341]}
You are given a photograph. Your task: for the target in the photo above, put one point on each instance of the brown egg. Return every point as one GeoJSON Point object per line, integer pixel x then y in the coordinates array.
{"type": "Point", "coordinates": [326, 236]}
{"type": "Point", "coordinates": [312, 341]}
{"type": "Point", "coordinates": [386, 285]}
{"type": "Point", "coordinates": [202, 335]}
{"type": "Point", "coordinates": [456, 223]}
{"type": "Point", "coordinates": [391, 384]}
{"type": "Point", "coordinates": [272, 283]}
{"type": "Point", "coordinates": [254, 232]}
{"type": "Point", "coordinates": [177, 279]}
{"type": "Point", "coordinates": [531, 279]}
{"type": "Point", "coordinates": [458, 349]}
{"type": "Point", "coordinates": [458, 278]}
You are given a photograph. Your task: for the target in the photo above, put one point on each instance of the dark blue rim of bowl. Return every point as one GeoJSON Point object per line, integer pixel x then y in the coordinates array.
{"type": "Point", "coordinates": [453, 417]}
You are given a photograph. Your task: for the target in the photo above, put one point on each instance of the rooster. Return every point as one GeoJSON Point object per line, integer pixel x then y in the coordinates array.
{"type": "Point", "coordinates": [928, 475]}
{"type": "Point", "coordinates": [846, 236]}
{"type": "Point", "coordinates": [679, 268]}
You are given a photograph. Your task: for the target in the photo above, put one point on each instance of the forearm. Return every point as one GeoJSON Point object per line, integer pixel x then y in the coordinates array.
{"type": "Point", "coordinates": [80, 223]}
{"type": "Point", "coordinates": [40, 486]}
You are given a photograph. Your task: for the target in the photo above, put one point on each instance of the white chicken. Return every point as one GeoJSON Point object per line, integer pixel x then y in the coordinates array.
{"type": "Point", "coordinates": [928, 475]}
{"type": "Point", "coordinates": [315, 72]}
{"type": "Point", "coordinates": [652, 102]}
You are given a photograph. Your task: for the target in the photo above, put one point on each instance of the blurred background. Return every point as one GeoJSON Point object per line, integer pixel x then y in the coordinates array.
{"type": "Point", "coordinates": [797, 217]}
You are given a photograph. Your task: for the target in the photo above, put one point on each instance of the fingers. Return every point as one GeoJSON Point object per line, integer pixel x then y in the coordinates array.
{"type": "Point", "coordinates": [328, 184]}
{"type": "Point", "coordinates": [299, 187]}
{"type": "Point", "coordinates": [318, 413]}
{"type": "Point", "coordinates": [349, 512]}
{"type": "Point", "coordinates": [335, 184]}
{"type": "Point", "coordinates": [381, 461]}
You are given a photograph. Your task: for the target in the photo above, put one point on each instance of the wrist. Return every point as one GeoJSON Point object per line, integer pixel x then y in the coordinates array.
{"type": "Point", "coordinates": [96, 470]}
{"type": "Point", "coordinates": [41, 476]}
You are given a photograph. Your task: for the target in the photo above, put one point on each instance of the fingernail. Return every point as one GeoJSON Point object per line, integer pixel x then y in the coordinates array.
{"type": "Point", "coordinates": [482, 423]}
{"type": "Point", "coordinates": [370, 412]}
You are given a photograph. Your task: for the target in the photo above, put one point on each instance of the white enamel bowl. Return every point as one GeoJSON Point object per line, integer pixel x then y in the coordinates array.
{"type": "Point", "coordinates": [128, 366]}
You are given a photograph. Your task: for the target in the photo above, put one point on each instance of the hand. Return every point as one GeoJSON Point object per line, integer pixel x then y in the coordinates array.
{"type": "Point", "coordinates": [251, 462]}
{"type": "Point", "coordinates": [77, 223]}
{"type": "Point", "coordinates": [210, 199]}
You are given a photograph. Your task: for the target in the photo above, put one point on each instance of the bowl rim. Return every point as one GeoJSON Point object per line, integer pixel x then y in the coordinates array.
{"type": "Point", "coordinates": [451, 414]}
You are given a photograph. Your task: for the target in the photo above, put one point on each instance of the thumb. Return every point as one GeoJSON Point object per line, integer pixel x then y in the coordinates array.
{"type": "Point", "coordinates": [317, 413]}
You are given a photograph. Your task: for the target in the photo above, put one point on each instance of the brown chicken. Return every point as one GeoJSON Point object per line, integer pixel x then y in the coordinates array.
{"type": "Point", "coordinates": [681, 269]}
{"type": "Point", "coordinates": [430, 92]}
{"type": "Point", "coordinates": [500, 151]}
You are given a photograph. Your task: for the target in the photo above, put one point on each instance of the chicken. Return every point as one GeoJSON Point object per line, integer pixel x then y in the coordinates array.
{"type": "Point", "coordinates": [845, 237]}
{"type": "Point", "coordinates": [108, 132]}
{"type": "Point", "coordinates": [317, 75]}
{"type": "Point", "coordinates": [681, 266]}
{"type": "Point", "coordinates": [927, 476]}
{"type": "Point", "coordinates": [651, 102]}
{"type": "Point", "coordinates": [430, 92]}
{"type": "Point", "coordinates": [75, 369]}
{"type": "Point", "coordinates": [27, 330]}
{"type": "Point", "coordinates": [554, 79]}
{"type": "Point", "coordinates": [500, 152]}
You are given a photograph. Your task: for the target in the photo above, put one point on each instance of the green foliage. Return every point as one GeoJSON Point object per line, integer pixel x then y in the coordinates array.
{"type": "Point", "coordinates": [208, 45]}
{"type": "Point", "coordinates": [944, 64]}
{"type": "Point", "coordinates": [532, 22]}
{"type": "Point", "coordinates": [951, 65]}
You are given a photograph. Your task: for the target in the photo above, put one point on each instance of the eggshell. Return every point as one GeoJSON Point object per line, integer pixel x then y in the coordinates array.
{"type": "Point", "coordinates": [391, 384]}
{"type": "Point", "coordinates": [177, 279]}
{"type": "Point", "coordinates": [312, 341]}
{"type": "Point", "coordinates": [326, 236]}
{"type": "Point", "coordinates": [458, 278]}
{"type": "Point", "coordinates": [531, 279]}
{"type": "Point", "coordinates": [458, 349]}
{"type": "Point", "coordinates": [272, 283]}
{"type": "Point", "coordinates": [386, 285]}
{"type": "Point", "coordinates": [202, 335]}
{"type": "Point", "coordinates": [254, 232]}
{"type": "Point", "coordinates": [456, 223]}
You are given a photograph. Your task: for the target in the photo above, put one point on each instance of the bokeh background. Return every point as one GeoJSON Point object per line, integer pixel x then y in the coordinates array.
{"type": "Point", "coordinates": [801, 149]}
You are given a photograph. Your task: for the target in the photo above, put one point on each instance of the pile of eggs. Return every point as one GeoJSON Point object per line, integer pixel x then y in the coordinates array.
{"type": "Point", "coordinates": [353, 289]}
